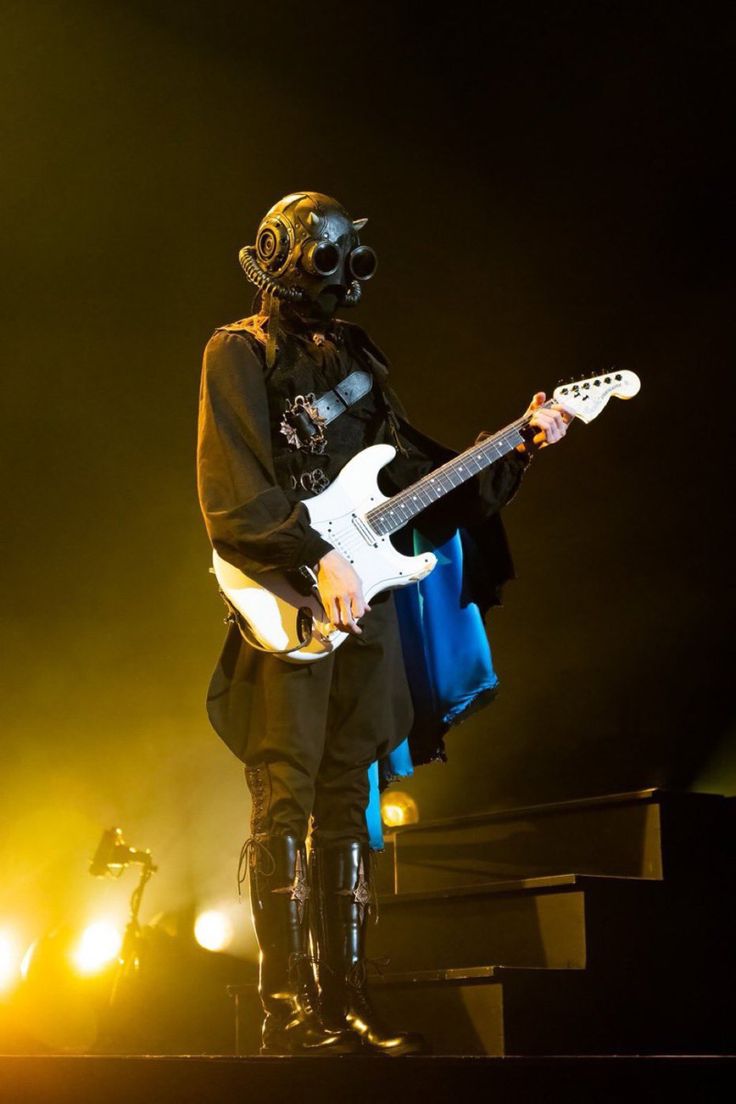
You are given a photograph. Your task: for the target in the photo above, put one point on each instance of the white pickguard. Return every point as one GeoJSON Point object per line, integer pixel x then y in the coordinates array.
{"type": "Point", "coordinates": [270, 604]}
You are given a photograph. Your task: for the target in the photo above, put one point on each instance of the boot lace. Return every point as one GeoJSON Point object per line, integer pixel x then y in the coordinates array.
{"type": "Point", "coordinates": [357, 975]}
{"type": "Point", "coordinates": [302, 979]}
{"type": "Point", "coordinates": [297, 962]}
{"type": "Point", "coordinates": [253, 852]}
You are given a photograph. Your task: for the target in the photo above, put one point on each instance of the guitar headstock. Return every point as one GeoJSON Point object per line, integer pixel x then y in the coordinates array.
{"type": "Point", "coordinates": [585, 398]}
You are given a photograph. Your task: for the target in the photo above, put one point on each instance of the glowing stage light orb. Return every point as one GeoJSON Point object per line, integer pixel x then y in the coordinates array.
{"type": "Point", "coordinates": [99, 945]}
{"type": "Point", "coordinates": [398, 809]}
{"type": "Point", "coordinates": [9, 961]}
{"type": "Point", "coordinates": [213, 930]}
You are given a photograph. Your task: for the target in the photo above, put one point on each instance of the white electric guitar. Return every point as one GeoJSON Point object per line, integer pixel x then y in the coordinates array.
{"type": "Point", "coordinates": [358, 521]}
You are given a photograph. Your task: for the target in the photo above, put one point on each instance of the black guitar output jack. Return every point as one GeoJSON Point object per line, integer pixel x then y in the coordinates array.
{"type": "Point", "coordinates": [304, 625]}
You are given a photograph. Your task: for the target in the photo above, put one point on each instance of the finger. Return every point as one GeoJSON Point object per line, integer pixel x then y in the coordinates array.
{"type": "Point", "coordinates": [551, 421]}
{"type": "Point", "coordinates": [552, 429]}
{"type": "Point", "coordinates": [560, 427]}
{"type": "Point", "coordinates": [331, 611]}
{"type": "Point", "coordinates": [554, 432]}
{"type": "Point", "coordinates": [343, 615]}
{"type": "Point", "coordinates": [541, 421]}
{"type": "Point", "coordinates": [537, 401]}
{"type": "Point", "coordinates": [346, 618]}
{"type": "Point", "coordinates": [543, 414]}
{"type": "Point", "coordinates": [357, 607]}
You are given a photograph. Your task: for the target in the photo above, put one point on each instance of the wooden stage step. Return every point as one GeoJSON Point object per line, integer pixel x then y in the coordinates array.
{"type": "Point", "coordinates": [519, 922]}
{"type": "Point", "coordinates": [567, 921]}
{"type": "Point", "coordinates": [642, 834]}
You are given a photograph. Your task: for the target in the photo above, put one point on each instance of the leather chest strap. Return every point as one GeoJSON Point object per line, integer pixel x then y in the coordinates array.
{"type": "Point", "coordinates": [332, 403]}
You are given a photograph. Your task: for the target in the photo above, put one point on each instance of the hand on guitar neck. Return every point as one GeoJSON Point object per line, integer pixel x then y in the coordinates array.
{"type": "Point", "coordinates": [551, 421]}
{"type": "Point", "coordinates": [341, 592]}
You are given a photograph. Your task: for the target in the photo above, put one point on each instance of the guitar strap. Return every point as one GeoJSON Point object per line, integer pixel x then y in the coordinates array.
{"type": "Point", "coordinates": [330, 405]}
{"type": "Point", "coordinates": [305, 418]}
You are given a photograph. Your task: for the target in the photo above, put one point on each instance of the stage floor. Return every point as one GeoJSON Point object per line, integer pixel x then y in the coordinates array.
{"type": "Point", "coordinates": [188, 1078]}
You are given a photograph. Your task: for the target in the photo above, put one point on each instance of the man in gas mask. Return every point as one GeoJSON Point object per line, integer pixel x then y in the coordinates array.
{"type": "Point", "coordinates": [288, 396]}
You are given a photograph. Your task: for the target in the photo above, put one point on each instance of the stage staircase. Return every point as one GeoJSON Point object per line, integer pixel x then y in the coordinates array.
{"type": "Point", "coordinates": [597, 926]}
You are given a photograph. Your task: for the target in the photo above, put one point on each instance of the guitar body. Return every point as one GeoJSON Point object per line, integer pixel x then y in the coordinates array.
{"type": "Point", "coordinates": [273, 614]}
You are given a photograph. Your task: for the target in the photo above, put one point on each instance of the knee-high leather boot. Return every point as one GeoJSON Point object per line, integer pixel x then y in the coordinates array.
{"type": "Point", "coordinates": [279, 901]}
{"type": "Point", "coordinates": [340, 881]}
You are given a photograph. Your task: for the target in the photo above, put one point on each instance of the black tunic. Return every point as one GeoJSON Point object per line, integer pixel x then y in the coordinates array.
{"type": "Point", "coordinates": [253, 483]}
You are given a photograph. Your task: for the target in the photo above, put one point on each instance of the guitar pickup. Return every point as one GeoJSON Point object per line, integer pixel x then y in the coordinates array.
{"type": "Point", "coordinates": [369, 535]}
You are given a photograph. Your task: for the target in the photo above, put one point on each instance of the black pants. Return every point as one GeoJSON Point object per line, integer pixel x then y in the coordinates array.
{"type": "Point", "coordinates": [320, 725]}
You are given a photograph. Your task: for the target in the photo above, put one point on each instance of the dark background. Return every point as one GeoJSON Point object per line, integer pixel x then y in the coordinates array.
{"type": "Point", "coordinates": [549, 190]}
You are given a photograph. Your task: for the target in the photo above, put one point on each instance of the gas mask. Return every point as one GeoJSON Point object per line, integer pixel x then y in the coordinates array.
{"type": "Point", "coordinates": [308, 255]}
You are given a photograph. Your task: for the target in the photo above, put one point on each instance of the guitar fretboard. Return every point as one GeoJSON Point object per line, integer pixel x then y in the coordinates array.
{"type": "Point", "coordinates": [395, 512]}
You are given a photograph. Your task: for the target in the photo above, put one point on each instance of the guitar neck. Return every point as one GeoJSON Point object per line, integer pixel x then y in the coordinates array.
{"type": "Point", "coordinates": [398, 511]}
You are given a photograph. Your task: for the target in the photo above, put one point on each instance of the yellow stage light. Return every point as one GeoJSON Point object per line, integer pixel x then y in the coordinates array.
{"type": "Point", "coordinates": [398, 809]}
{"type": "Point", "coordinates": [25, 962]}
{"type": "Point", "coordinates": [98, 946]}
{"type": "Point", "coordinates": [9, 961]}
{"type": "Point", "coordinates": [213, 930]}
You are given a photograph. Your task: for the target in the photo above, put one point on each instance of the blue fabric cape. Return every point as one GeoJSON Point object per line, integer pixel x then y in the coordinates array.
{"type": "Point", "coordinates": [448, 662]}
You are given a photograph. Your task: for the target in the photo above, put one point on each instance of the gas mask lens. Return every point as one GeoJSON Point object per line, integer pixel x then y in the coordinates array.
{"type": "Point", "coordinates": [362, 262]}
{"type": "Point", "coordinates": [321, 258]}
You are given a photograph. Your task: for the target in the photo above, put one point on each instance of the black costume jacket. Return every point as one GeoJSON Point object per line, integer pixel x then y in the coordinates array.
{"type": "Point", "coordinates": [252, 484]}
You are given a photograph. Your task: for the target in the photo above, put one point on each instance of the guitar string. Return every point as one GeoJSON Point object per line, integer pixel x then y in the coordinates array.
{"type": "Point", "coordinates": [497, 441]}
{"type": "Point", "coordinates": [351, 540]}
{"type": "Point", "coordinates": [480, 451]}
